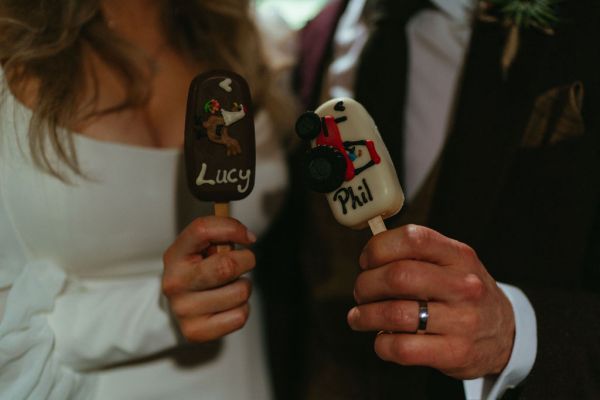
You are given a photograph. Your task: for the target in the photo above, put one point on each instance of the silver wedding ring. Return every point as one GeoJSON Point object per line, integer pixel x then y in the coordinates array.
{"type": "Point", "coordinates": [423, 317]}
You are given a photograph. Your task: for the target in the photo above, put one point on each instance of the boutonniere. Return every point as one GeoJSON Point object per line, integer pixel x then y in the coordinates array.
{"type": "Point", "coordinates": [516, 15]}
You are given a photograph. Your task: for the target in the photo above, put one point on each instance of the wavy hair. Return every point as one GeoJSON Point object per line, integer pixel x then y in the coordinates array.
{"type": "Point", "coordinates": [42, 41]}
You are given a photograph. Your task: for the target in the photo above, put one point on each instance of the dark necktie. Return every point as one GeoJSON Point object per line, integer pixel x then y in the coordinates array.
{"type": "Point", "coordinates": [381, 76]}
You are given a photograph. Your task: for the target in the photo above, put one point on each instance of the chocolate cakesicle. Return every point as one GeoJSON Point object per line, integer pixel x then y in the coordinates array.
{"type": "Point", "coordinates": [220, 154]}
{"type": "Point", "coordinates": [219, 137]}
{"type": "Point", "coordinates": [349, 162]}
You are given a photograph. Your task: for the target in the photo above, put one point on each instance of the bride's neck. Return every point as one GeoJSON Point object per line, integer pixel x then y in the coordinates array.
{"type": "Point", "coordinates": [137, 21]}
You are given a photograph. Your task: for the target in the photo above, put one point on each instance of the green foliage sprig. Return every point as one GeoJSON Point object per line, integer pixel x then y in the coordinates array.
{"type": "Point", "coordinates": [516, 15]}
{"type": "Point", "coordinates": [540, 14]}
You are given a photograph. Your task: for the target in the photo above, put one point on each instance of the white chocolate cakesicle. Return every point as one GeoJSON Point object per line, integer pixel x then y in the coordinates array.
{"type": "Point", "coordinates": [367, 186]}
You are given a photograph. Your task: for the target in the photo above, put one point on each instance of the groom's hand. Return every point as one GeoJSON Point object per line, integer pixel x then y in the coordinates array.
{"type": "Point", "coordinates": [470, 328]}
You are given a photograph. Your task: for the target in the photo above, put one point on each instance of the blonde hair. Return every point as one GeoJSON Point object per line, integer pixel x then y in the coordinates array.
{"type": "Point", "coordinates": [42, 40]}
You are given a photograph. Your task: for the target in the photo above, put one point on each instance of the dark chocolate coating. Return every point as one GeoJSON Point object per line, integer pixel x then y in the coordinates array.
{"type": "Point", "coordinates": [227, 170]}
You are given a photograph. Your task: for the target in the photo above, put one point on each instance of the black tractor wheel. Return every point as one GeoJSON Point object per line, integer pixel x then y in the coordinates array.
{"type": "Point", "coordinates": [308, 125]}
{"type": "Point", "coordinates": [324, 169]}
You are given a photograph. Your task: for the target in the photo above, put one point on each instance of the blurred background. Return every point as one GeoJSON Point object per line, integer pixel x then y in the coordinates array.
{"type": "Point", "coordinates": [294, 12]}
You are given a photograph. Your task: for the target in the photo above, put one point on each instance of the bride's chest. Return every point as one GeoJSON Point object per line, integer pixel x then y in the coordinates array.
{"type": "Point", "coordinates": [124, 211]}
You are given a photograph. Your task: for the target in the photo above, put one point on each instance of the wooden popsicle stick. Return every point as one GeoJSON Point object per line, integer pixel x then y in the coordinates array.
{"type": "Point", "coordinates": [222, 210]}
{"type": "Point", "coordinates": [377, 225]}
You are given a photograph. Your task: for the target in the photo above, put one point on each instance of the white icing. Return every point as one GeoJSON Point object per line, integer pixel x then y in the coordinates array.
{"type": "Point", "coordinates": [226, 85]}
{"type": "Point", "coordinates": [231, 178]}
{"type": "Point", "coordinates": [231, 117]}
{"type": "Point", "coordinates": [200, 179]}
{"type": "Point", "coordinates": [246, 179]}
{"type": "Point", "coordinates": [226, 177]}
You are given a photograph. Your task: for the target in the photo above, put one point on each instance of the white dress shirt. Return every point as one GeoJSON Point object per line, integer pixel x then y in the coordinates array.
{"type": "Point", "coordinates": [437, 40]}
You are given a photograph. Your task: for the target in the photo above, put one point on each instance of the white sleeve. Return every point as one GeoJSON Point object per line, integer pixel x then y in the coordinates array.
{"type": "Point", "coordinates": [105, 323]}
{"type": "Point", "coordinates": [522, 356]}
{"type": "Point", "coordinates": [29, 367]}
{"type": "Point", "coordinates": [54, 330]}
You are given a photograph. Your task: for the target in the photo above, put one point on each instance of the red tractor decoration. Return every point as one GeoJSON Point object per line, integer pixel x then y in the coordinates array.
{"type": "Point", "coordinates": [331, 161]}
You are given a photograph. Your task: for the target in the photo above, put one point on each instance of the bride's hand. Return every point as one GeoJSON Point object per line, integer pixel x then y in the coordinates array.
{"type": "Point", "coordinates": [206, 294]}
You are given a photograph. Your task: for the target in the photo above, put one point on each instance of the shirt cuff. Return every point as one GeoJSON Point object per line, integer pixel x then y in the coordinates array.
{"type": "Point", "coordinates": [522, 356]}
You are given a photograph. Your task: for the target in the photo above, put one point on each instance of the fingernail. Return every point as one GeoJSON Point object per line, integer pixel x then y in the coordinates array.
{"type": "Point", "coordinates": [353, 315]}
{"type": "Point", "coordinates": [251, 236]}
{"type": "Point", "coordinates": [363, 261]}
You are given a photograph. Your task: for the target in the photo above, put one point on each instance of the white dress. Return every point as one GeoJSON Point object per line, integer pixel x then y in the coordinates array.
{"type": "Point", "coordinates": [80, 267]}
